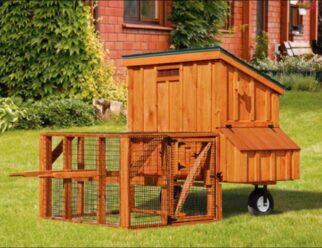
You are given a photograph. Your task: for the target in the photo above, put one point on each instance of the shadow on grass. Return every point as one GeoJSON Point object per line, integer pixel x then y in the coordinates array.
{"type": "Point", "coordinates": [235, 201]}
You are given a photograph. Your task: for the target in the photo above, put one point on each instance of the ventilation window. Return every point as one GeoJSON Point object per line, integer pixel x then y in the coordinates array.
{"type": "Point", "coordinates": [168, 74]}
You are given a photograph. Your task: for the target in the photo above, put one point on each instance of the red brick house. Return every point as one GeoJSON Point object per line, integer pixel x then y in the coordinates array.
{"type": "Point", "coordinates": [138, 26]}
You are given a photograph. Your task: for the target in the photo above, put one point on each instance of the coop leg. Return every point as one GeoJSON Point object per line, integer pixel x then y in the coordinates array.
{"type": "Point", "coordinates": [164, 206]}
{"type": "Point", "coordinates": [67, 155]}
{"type": "Point", "coordinates": [125, 208]}
{"type": "Point", "coordinates": [45, 158]}
{"type": "Point", "coordinates": [101, 170]}
{"type": "Point", "coordinates": [211, 188]}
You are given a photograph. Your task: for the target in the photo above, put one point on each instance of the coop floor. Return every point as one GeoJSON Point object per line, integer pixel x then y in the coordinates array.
{"type": "Point", "coordinates": [297, 220]}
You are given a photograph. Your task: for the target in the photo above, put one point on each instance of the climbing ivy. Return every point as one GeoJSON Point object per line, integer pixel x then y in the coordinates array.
{"type": "Point", "coordinates": [197, 22]}
{"type": "Point", "coordinates": [49, 47]}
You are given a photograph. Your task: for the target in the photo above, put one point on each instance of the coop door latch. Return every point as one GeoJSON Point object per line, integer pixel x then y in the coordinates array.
{"type": "Point", "coordinates": [219, 176]}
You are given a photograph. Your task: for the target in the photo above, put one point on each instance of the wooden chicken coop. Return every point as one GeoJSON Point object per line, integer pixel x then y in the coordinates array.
{"type": "Point", "coordinates": [196, 118]}
{"type": "Point", "coordinates": [211, 90]}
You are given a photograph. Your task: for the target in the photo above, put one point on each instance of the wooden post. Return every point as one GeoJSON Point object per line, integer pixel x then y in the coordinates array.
{"type": "Point", "coordinates": [67, 155]}
{"type": "Point", "coordinates": [314, 22]}
{"type": "Point", "coordinates": [285, 17]}
{"type": "Point", "coordinates": [165, 156]}
{"type": "Point", "coordinates": [173, 153]}
{"type": "Point", "coordinates": [101, 187]}
{"type": "Point", "coordinates": [45, 185]}
{"type": "Point", "coordinates": [218, 189]}
{"type": "Point", "coordinates": [80, 184]}
{"type": "Point", "coordinates": [125, 211]}
{"type": "Point", "coordinates": [211, 188]}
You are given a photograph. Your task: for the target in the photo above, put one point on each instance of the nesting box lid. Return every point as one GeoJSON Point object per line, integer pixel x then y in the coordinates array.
{"type": "Point", "coordinates": [259, 139]}
{"type": "Point", "coordinates": [201, 54]}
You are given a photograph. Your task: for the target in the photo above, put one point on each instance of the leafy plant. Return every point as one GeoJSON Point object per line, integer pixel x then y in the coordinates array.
{"type": "Point", "coordinates": [298, 82]}
{"type": "Point", "coordinates": [290, 64]}
{"type": "Point", "coordinates": [261, 47]}
{"type": "Point", "coordinates": [9, 114]}
{"type": "Point", "coordinates": [57, 112]}
{"type": "Point", "coordinates": [196, 23]}
{"type": "Point", "coordinates": [48, 48]}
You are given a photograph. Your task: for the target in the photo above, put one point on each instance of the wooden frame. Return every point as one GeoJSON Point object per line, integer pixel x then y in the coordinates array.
{"type": "Point", "coordinates": [136, 152]}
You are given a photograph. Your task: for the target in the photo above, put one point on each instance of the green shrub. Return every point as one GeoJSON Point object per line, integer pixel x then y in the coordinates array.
{"type": "Point", "coordinates": [56, 112]}
{"type": "Point", "coordinates": [298, 82]}
{"type": "Point", "coordinates": [261, 47]}
{"type": "Point", "coordinates": [50, 48]}
{"type": "Point", "coordinates": [196, 23]}
{"type": "Point", "coordinates": [9, 114]}
{"type": "Point", "coordinates": [290, 64]}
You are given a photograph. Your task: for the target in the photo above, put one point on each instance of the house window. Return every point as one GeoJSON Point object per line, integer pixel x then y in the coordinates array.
{"type": "Point", "coordinates": [144, 11]}
{"type": "Point", "coordinates": [296, 20]}
{"type": "Point", "coordinates": [262, 16]}
{"type": "Point", "coordinates": [229, 22]}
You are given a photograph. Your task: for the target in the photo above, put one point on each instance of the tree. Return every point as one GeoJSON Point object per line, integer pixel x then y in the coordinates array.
{"type": "Point", "coordinates": [197, 22]}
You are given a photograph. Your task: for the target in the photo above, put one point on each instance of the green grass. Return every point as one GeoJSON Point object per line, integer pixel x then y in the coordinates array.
{"type": "Point", "coordinates": [297, 220]}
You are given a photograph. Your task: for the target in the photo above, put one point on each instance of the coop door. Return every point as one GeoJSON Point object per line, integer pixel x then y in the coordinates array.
{"type": "Point", "coordinates": [192, 191]}
{"type": "Point", "coordinates": [169, 105]}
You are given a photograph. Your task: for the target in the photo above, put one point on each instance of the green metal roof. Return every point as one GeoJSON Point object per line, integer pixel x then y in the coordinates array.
{"type": "Point", "coordinates": [196, 50]}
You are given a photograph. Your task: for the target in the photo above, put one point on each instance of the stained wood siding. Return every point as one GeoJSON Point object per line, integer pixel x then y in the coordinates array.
{"type": "Point", "coordinates": [207, 95]}
{"type": "Point", "coordinates": [249, 103]}
{"type": "Point", "coordinates": [199, 93]}
{"type": "Point", "coordinates": [257, 166]}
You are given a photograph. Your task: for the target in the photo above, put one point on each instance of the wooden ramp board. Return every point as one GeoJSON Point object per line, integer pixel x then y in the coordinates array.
{"type": "Point", "coordinates": [259, 139]}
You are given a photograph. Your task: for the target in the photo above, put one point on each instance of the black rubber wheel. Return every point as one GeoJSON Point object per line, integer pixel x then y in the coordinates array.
{"type": "Point", "coordinates": [256, 205]}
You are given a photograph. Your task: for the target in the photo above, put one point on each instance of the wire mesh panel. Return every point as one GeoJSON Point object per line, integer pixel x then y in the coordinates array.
{"type": "Point", "coordinates": [112, 154]}
{"type": "Point", "coordinates": [145, 157]}
{"type": "Point", "coordinates": [147, 206]}
{"type": "Point", "coordinates": [77, 198]}
{"type": "Point", "coordinates": [57, 198]}
{"type": "Point", "coordinates": [86, 202]}
{"type": "Point", "coordinates": [161, 179]}
{"type": "Point", "coordinates": [196, 202]}
{"type": "Point", "coordinates": [193, 186]}
{"type": "Point", "coordinates": [145, 174]}
{"type": "Point", "coordinates": [113, 204]}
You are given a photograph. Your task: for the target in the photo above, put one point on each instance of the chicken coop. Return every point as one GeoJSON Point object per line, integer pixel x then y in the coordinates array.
{"type": "Point", "coordinates": [196, 119]}
{"type": "Point", "coordinates": [211, 90]}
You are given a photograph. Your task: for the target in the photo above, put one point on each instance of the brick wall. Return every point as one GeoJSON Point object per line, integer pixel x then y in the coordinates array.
{"type": "Point", "coordinates": [232, 41]}
{"type": "Point", "coordinates": [120, 40]}
{"type": "Point", "coordinates": [273, 26]}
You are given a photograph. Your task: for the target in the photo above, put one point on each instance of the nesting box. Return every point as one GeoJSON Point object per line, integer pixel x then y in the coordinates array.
{"type": "Point", "coordinates": [211, 90]}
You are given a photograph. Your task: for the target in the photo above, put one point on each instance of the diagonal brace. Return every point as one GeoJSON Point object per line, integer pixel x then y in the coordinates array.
{"type": "Point", "coordinates": [190, 178]}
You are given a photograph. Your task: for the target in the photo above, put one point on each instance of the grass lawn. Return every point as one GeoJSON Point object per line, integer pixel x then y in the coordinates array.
{"type": "Point", "coordinates": [297, 220]}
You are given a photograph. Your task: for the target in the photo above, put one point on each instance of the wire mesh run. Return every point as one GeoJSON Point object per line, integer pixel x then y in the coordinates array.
{"type": "Point", "coordinates": [163, 180]}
